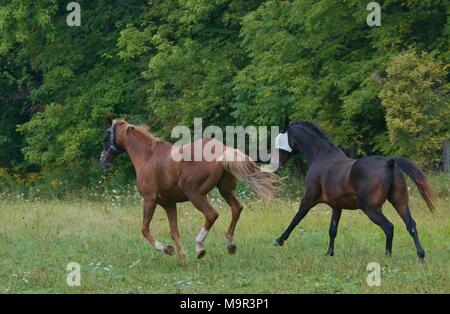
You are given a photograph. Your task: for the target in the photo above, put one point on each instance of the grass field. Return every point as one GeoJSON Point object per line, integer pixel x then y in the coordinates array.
{"type": "Point", "coordinates": [39, 238]}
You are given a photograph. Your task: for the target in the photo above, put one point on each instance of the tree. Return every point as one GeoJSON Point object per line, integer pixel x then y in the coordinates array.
{"type": "Point", "coordinates": [71, 78]}
{"type": "Point", "coordinates": [231, 62]}
{"type": "Point", "coordinates": [416, 98]}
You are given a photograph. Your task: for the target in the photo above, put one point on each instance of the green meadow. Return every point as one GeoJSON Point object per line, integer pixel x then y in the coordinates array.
{"type": "Point", "coordinates": [38, 238]}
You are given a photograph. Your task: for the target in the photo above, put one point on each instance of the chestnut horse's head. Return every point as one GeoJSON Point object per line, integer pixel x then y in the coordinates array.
{"type": "Point", "coordinates": [283, 147]}
{"type": "Point", "coordinates": [111, 148]}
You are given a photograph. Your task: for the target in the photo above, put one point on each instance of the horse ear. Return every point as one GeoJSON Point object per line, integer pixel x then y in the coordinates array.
{"type": "Point", "coordinates": [110, 121]}
{"type": "Point", "coordinates": [285, 125]}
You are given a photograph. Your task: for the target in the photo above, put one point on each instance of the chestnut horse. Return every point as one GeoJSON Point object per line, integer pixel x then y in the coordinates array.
{"type": "Point", "coordinates": [165, 181]}
{"type": "Point", "coordinates": [345, 183]}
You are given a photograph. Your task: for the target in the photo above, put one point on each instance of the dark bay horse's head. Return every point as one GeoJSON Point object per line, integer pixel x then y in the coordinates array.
{"type": "Point", "coordinates": [111, 148]}
{"type": "Point", "coordinates": [284, 147]}
{"type": "Point", "coordinates": [301, 137]}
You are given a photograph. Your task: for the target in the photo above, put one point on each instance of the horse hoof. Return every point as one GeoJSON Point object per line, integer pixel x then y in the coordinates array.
{"type": "Point", "coordinates": [183, 260]}
{"type": "Point", "coordinates": [330, 253]}
{"type": "Point", "coordinates": [169, 250]}
{"type": "Point", "coordinates": [201, 253]}
{"type": "Point", "coordinates": [421, 255]}
{"type": "Point", "coordinates": [231, 248]}
{"type": "Point", "coordinates": [278, 242]}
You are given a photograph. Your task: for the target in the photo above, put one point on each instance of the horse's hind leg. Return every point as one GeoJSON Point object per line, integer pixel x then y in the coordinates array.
{"type": "Point", "coordinates": [398, 197]}
{"type": "Point", "coordinates": [201, 203]}
{"type": "Point", "coordinates": [333, 229]}
{"type": "Point", "coordinates": [405, 214]}
{"type": "Point", "coordinates": [379, 219]}
{"type": "Point", "coordinates": [227, 186]}
{"type": "Point", "coordinates": [149, 210]}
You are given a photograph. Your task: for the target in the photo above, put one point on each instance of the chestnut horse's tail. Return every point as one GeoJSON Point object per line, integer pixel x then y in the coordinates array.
{"type": "Point", "coordinates": [245, 169]}
{"type": "Point", "coordinates": [419, 179]}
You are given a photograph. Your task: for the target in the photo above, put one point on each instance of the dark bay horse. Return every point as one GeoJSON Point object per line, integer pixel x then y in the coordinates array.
{"type": "Point", "coordinates": [165, 181]}
{"type": "Point", "coordinates": [344, 183]}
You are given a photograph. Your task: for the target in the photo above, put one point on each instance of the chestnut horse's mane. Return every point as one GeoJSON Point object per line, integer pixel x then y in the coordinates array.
{"type": "Point", "coordinates": [143, 130]}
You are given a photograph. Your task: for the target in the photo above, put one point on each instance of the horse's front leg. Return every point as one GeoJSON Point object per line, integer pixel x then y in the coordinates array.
{"type": "Point", "coordinates": [333, 229]}
{"type": "Point", "coordinates": [309, 200]}
{"type": "Point", "coordinates": [301, 213]}
{"type": "Point", "coordinates": [149, 210]}
{"type": "Point", "coordinates": [171, 212]}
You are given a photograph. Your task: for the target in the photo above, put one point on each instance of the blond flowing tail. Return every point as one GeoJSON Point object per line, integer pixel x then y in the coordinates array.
{"type": "Point", "coordinates": [245, 169]}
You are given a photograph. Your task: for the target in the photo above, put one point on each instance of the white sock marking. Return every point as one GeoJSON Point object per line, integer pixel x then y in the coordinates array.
{"type": "Point", "coordinates": [200, 238]}
{"type": "Point", "coordinates": [159, 246]}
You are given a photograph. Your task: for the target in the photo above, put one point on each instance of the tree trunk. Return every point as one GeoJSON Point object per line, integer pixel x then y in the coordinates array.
{"type": "Point", "coordinates": [446, 156]}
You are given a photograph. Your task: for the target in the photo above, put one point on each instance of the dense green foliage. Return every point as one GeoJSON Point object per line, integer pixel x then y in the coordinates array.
{"type": "Point", "coordinates": [416, 100]}
{"type": "Point", "coordinates": [231, 62]}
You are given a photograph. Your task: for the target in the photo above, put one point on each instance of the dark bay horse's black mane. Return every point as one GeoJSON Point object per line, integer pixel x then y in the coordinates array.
{"type": "Point", "coordinates": [311, 127]}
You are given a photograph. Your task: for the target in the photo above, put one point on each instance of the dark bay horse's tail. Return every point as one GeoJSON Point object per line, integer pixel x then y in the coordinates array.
{"type": "Point", "coordinates": [418, 177]}
{"type": "Point", "coordinates": [245, 169]}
